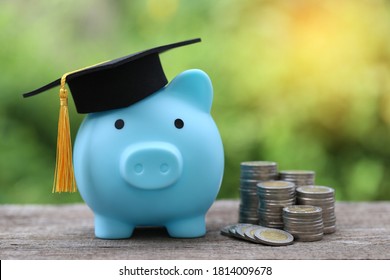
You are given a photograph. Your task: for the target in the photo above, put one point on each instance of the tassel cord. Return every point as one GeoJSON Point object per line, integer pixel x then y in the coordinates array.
{"type": "Point", "coordinates": [64, 180]}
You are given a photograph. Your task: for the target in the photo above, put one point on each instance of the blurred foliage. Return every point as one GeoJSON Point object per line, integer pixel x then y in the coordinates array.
{"type": "Point", "coordinates": [302, 83]}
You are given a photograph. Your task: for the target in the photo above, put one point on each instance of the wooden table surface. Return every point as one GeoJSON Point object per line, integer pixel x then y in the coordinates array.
{"type": "Point", "coordinates": [66, 232]}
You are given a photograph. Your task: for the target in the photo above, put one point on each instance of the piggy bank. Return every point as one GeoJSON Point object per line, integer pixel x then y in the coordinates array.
{"type": "Point", "coordinates": [158, 162]}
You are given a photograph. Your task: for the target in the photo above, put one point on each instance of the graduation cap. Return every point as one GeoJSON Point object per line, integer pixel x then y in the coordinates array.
{"type": "Point", "coordinates": [105, 86]}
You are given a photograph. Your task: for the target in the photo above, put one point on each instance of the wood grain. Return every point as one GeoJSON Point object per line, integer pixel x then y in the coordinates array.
{"type": "Point", "coordinates": [66, 232]}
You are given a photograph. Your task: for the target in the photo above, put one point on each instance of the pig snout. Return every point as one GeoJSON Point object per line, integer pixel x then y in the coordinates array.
{"type": "Point", "coordinates": [151, 165]}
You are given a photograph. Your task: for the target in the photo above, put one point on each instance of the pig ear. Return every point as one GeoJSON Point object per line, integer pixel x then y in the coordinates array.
{"type": "Point", "coordinates": [195, 87]}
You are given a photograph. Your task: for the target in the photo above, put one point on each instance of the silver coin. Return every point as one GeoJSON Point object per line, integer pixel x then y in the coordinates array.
{"type": "Point", "coordinates": [329, 229]}
{"type": "Point", "coordinates": [250, 233]}
{"type": "Point", "coordinates": [330, 220]}
{"type": "Point", "coordinates": [307, 230]}
{"type": "Point", "coordinates": [276, 185]}
{"type": "Point", "coordinates": [303, 225]}
{"type": "Point", "coordinates": [276, 195]}
{"type": "Point", "coordinates": [318, 200]}
{"type": "Point", "coordinates": [298, 180]}
{"type": "Point", "coordinates": [265, 219]}
{"type": "Point", "coordinates": [297, 173]}
{"type": "Point", "coordinates": [301, 175]}
{"type": "Point", "coordinates": [248, 182]}
{"type": "Point", "coordinates": [302, 210]}
{"type": "Point", "coordinates": [250, 164]}
{"type": "Point", "coordinates": [233, 229]}
{"type": "Point", "coordinates": [308, 238]}
{"type": "Point", "coordinates": [250, 212]}
{"type": "Point", "coordinates": [240, 230]}
{"type": "Point", "coordinates": [269, 220]}
{"type": "Point", "coordinates": [315, 202]}
{"type": "Point", "coordinates": [261, 175]}
{"type": "Point", "coordinates": [258, 171]}
{"type": "Point", "coordinates": [274, 237]}
{"type": "Point", "coordinates": [272, 225]}
{"type": "Point", "coordinates": [226, 230]}
{"type": "Point", "coordinates": [279, 202]}
{"type": "Point", "coordinates": [246, 233]}
{"type": "Point", "coordinates": [329, 215]}
{"type": "Point", "coordinates": [305, 178]}
{"type": "Point", "coordinates": [316, 190]}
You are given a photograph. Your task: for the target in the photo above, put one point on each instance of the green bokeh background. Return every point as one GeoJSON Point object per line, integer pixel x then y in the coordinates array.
{"type": "Point", "coordinates": [303, 83]}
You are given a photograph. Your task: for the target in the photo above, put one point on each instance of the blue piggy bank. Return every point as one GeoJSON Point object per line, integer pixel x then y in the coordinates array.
{"type": "Point", "coordinates": [158, 162]}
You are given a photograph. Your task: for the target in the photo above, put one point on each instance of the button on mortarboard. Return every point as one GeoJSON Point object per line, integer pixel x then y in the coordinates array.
{"type": "Point", "coordinates": [117, 83]}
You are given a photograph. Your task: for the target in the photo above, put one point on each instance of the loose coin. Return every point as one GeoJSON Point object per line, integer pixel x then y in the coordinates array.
{"type": "Point", "coordinates": [240, 230]}
{"type": "Point", "coordinates": [273, 237]}
{"type": "Point", "coordinates": [233, 229]}
{"type": "Point", "coordinates": [226, 230]}
{"type": "Point", "coordinates": [250, 233]}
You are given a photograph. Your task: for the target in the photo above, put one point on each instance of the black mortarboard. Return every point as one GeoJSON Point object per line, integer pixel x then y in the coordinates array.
{"type": "Point", "coordinates": [117, 83]}
{"type": "Point", "coordinates": [109, 85]}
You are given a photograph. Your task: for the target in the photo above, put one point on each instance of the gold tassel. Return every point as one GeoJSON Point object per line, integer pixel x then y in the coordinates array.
{"type": "Point", "coordinates": [64, 180]}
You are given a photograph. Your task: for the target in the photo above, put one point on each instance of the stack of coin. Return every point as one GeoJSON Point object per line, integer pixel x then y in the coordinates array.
{"type": "Point", "coordinates": [323, 197]}
{"type": "Point", "coordinates": [259, 170]}
{"type": "Point", "coordinates": [304, 222]}
{"type": "Point", "coordinates": [273, 196]}
{"type": "Point", "coordinates": [298, 177]}
{"type": "Point", "coordinates": [253, 172]}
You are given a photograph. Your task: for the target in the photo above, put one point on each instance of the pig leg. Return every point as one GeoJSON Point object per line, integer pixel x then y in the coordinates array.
{"type": "Point", "coordinates": [107, 228]}
{"type": "Point", "coordinates": [187, 228]}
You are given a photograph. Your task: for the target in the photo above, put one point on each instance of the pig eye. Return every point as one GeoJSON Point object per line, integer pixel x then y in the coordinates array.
{"type": "Point", "coordinates": [179, 123]}
{"type": "Point", "coordinates": [119, 124]}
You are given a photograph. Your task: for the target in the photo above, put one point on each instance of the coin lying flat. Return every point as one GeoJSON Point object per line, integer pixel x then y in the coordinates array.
{"type": "Point", "coordinates": [273, 237]}
{"type": "Point", "coordinates": [226, 230]}
{"type": "Point", "coordinates": [237, 230]}
{"type": "Point", "coordinates": [258, 234]}
{"type": "Point", "coordinates": [233, 230]}
{"type": "Point", "coordinates": [249, 233]}
{"type": "Point", "coordinates": [240, 230]}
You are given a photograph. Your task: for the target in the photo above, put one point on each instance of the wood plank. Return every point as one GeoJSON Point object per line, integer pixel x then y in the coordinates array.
{"type": "Point", "coordinates": [66, 232]}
